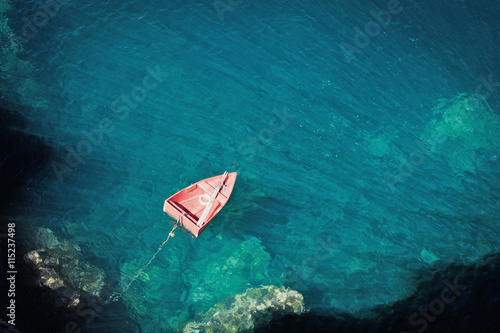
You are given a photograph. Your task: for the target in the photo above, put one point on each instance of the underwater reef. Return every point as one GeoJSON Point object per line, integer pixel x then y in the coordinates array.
{"type": "Point", "coordinates": [230, 269]}
{"type": "Point", "coordinates": [225, 267]}
{"type": "Point", "coordinates": [465, 130]}
{"type": "Point", "coordinates": [252, 309]}
{"type": "Point", "coordinates": [57, 268]}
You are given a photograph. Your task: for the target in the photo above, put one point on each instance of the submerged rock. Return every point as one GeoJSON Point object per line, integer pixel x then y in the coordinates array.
{"type": "Point", "coordinates": [428, 257]}
{"type": "Point", "coordinates": [228, 270]}
{"type": "Point", "coordinates": [252, 309]}
{"type": "Point", "coordinates": [377, 145]}
{"type": "Point", "coordinates": [59, 268]}
{"type": "Point", "coordinates": [465, 130]}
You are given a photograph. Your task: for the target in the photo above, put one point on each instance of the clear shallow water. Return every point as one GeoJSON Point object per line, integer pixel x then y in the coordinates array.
{"type": "Point", "coordinates": [313, 207]}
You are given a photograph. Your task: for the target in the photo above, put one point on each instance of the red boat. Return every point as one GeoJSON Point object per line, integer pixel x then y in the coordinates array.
{"type": "Point", "coordinates": [196, 205]}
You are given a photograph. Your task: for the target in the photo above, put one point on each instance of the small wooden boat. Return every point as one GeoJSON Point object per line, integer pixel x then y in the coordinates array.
{"type": "Point", "coordinates": [196, 205]}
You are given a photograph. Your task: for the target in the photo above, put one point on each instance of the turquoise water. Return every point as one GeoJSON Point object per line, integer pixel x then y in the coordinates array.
{"type": "Point", "coordinates": [342, 192]}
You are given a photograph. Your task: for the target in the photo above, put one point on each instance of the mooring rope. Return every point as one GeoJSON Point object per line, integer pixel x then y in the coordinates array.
{"type": "Point", "coordinates": [117, 295]}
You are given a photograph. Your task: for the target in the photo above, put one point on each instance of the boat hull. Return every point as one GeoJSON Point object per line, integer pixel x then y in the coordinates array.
{"type": "Point", "coordinates": [190, 203]}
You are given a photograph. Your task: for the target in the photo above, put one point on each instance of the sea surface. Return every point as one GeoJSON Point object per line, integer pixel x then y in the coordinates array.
{"type": "Point", "coordinates": [364, 134]}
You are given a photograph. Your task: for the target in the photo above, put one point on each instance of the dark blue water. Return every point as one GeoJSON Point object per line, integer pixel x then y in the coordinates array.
{"type": "Point", "coordinates": [330, 117]}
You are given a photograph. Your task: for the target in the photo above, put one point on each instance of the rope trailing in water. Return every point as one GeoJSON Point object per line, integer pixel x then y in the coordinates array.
{"type": "Point", "coordinates": [116, 296]}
